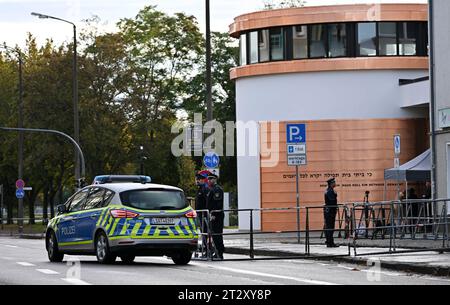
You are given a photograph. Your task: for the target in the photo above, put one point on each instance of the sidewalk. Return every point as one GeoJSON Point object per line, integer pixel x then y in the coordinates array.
{"type": "Point", "coordinates": [425, 262]}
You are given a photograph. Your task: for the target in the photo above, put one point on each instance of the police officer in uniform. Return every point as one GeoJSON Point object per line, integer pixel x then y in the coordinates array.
{"type": "Point", "coordinates": [215, 203]}
{"type": "Point", "coordinates": [330, 212]}
{"type": "Point", "coordinates": [201, 180]}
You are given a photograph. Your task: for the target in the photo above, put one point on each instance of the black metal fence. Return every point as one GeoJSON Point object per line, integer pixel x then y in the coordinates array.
{"type": "Point", "coordinates": [380, 225]}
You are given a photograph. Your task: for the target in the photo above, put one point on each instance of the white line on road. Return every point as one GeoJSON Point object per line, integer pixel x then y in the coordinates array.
{"type": "Point", "coordinates": [10, 246]}
{"type": "Point", "coordinates": [436, 279]}
{"type": "Point", "coordinates": [75, 281]}
{"type": "Point", "coordinates": [383, 273]}
{"type": "Point", "coordinates": [47, 271]}
{"type": "Point", "coordinates": [301, 280]}
{"type": "Point", "coordinates": [281, 277]}
{"type": "Point", "coordinates": [348, 268]}
{"type": "Point", "coordinates": [25, 264]}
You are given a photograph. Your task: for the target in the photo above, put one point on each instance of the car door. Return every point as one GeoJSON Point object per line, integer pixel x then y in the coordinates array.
{"type": "Point", "coordinates": [68, 233]}
{"type": "Point", "coordinates": [92, 210]}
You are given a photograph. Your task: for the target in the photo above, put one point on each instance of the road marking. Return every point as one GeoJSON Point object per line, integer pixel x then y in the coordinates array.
{"type": "Point", "coordinates": [10, 246]}
{"type": "Point", "coordinates": [435, 279]}
{"type": "Point", "coordinates": [306, 281]}
{"type": "Point", "coordinates": [74, 281]}
{"type": "Point", "coordinates": [25, 264]}
{"type": "Point", "coordinates": [348, 268]}
{"type": "Point", "coordinates": [47, 271]}
{"type": "Point", "coordinates": [383, 273]}
{"type": "Point", "coordinates": [281, 277]}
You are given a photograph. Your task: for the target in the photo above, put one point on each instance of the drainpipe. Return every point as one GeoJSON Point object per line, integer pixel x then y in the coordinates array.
{"type": "Point", "coordinates": [432, 101]}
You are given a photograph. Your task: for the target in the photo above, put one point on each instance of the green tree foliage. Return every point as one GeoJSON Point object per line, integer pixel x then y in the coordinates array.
{"type": "Point", "coordinates": [132, 85]}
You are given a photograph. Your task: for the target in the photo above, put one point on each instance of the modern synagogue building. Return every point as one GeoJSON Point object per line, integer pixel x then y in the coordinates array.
{"type": "Point", "coordinates": [356, 75]}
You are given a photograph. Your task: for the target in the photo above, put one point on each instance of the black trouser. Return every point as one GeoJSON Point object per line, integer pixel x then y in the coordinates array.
{"type": "Point", "coordinates": [330, 224]}
{"type": "Point", "coordinates": [217, 228]}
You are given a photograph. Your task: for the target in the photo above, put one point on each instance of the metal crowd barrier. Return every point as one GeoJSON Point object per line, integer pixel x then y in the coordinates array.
{"type": "Point", "coordinates": [394, 220]}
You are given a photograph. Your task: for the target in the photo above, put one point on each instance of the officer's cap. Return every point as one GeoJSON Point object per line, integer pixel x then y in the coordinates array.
{"type": "Point", "coordinates": [203, 174]}
{"type": "Point", "coordinates": [213, 176]}
{"type": "Point", "coordinates": [331, 181]}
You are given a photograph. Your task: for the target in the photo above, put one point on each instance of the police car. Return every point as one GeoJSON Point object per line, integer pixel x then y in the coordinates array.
{"type": "Point", "coordinates": [126, 219]}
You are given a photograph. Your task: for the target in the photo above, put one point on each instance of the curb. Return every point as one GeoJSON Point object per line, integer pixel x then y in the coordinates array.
{"type": "Point", "coordinates": [361, 261]}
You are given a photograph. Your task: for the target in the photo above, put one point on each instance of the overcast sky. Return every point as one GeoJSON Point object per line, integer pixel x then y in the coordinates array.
{"type": "Point", "coordinates": [16, 21]}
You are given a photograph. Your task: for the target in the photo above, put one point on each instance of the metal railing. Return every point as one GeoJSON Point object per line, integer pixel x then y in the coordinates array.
{"type": "Point", "coordinates": [393, 221]}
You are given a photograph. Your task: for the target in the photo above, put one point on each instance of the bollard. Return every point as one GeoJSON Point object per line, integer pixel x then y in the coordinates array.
{"type": "Point", "coordinates": [252, 250]}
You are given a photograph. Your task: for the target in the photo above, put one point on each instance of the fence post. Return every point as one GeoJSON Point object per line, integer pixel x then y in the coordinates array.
{"type": "Point", "coordinates": [446, 224]}
{"type": "Point", "coordinates": [355, 230]}
{"type": "Point", "coordinates": [209, 239]}
{"type": "Point", "coordinates": [307, 241]}
{"type": "Point", "coordinates": [252, 250]}
{"type": "Point", "coordinates": [348, 229]}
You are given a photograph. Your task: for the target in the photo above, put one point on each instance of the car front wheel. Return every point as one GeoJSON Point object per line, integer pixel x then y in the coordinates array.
{"type": "Point", "coordinates": [52, 249]}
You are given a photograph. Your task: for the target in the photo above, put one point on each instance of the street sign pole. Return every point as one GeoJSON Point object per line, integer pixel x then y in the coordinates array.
{"type": "Point", "coordinates": [397, 151]}
{"type": "Point", "coordinates": [296, 155]}
{"type": "Point", "coordinates": [298, 203]}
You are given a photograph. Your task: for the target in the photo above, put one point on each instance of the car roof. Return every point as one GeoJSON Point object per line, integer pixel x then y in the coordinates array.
{"type": "Point", "coordinates": [123, 187]}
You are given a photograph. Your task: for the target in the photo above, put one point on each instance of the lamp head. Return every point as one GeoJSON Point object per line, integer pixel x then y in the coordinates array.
{"type": "Point", "coordinates": [40, 16]}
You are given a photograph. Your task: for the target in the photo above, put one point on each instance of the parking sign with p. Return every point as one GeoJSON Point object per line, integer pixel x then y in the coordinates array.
{"type": "Point", "coordinates": [296, 133]}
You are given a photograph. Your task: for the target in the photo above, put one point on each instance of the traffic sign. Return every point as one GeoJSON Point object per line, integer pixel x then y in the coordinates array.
{"type": "Point", "coordinates": [296, 149]}
{"type": "Point", "coordinates": [20, 184]}
{"type": "Point", "coordinates": [211, 160]}
{"type": "Point", "coordinates": [296, 133]}
{"type": "Point", "coordinates": [396, 162]}
{"type": "Point", "coordinates": [29, 188]}
{"type": "Point", "coordinates": [20, 194]}
{"type": "Point", "coordinates": [397, 145]}
{"type": "Point", "coordinates": [297, 160]}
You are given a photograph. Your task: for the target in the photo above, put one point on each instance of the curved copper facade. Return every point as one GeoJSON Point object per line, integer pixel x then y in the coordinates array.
{"type": "Point", "coordinates": [327, 14]}
{"type": "Point", "coordinates": [331, 64]}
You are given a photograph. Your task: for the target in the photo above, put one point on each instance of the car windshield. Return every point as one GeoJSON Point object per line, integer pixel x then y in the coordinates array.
{"type": "Point", "coordinates": [154, 199]}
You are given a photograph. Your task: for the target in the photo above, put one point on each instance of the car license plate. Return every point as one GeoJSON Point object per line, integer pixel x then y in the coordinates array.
{"type": "Point", "coordinates": [162, 221]}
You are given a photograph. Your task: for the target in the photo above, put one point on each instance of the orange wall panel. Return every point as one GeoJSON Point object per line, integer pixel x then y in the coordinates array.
{"type": "Point", "coordinates": [356, 152]}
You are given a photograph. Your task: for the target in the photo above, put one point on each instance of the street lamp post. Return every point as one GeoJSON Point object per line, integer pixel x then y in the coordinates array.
{"type": "Point", "coordinates": [20, 123]}
{"type": "Point", "coordinates": [209, 103]}
{"type": "Point", "coordinates": [74, 90]}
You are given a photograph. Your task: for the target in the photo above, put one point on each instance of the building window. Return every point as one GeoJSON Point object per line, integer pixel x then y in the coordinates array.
{"type": "Point", "coordinates": [408, 38]}
{"type": "Point", "coordinates": [300, 41]}
{"type": "Point", "coordinates": [264, 46]}
{"type": "Point", "coordinates": [254, 47]}
{"type": "Point", "coordinates": [277, 44]}
{"type": "Point", "coordinates": [367, 37]}
{"type": "Point", "coordinates": [387, 38]}
{"type": "Point", "coordinates": [337, 40]}
{"type": "Point", "coordinates": [318, 41]}
{"type": "Point", "coordinates": [243, 48]}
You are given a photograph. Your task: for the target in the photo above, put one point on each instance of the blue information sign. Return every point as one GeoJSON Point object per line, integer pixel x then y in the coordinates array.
{"type": "Point", "coordinates": [296, 133]}
{"type": "Point", "coordinates": [20, 194]}
{"type": "Point", "coordinates": [211, 160]}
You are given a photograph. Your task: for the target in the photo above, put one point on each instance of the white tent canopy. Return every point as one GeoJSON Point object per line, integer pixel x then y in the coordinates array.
{"type": "Point", "coordinates": [418, 170]}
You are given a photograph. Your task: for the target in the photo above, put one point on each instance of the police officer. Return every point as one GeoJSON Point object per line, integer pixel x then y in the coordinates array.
{"type": "Point", "coordinates": [330, 212]}
{"type": "Point", "coordinates": [201, 180]}
{"type": "Point", "coordinates": [215, 203]}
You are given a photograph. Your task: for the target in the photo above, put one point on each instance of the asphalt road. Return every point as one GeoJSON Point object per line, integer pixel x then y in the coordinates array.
{"type": "Point", "coordinates": [25, 262]}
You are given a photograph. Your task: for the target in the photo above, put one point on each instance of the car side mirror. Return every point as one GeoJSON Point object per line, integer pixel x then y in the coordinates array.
{"type": "Point", "coordinates": [61, 209]}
